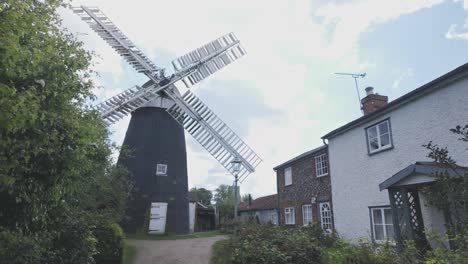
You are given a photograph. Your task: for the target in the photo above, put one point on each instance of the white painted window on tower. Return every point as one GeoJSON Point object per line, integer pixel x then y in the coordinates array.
{"type": "Point", "coordinates": [321, 167]}
{"type": "Point", "coordinates": [287, 176]}
{"type": "Point", "coordinates": [382, 223]}
{"type": "Point", "coordinates": [307, 214]}
{"type": "Point", "coordinates": [161, 169]}
{"type": "Point", "coordinates": [379, 136]}
{"type": "Point", "coordinates": [326, 217]}
{"type": "Point", "coordinates": [289, 217]}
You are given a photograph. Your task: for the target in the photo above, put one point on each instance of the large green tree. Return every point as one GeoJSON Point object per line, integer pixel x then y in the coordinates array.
{"type": "Point", "coordinates": [224, 200]}
{"type": "Point", "coordinates": [203, 195]}
{"type": "Point", "coordinates": [57, 181]}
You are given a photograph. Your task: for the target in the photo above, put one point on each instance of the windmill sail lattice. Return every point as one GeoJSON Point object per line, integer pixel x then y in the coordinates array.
{"type": "Point", "coordinates": [208, 129]}
{"type": "Point", "coordinates": [208, 59]}
{"type": "Point", "coordinates": [117, 40]}
{"type": "Point", "coordinates": [213, 134]}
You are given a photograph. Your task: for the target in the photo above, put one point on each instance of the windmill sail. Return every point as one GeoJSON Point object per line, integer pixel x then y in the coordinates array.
{"type": "Point", "coordinates": [117, 107]}
{"type": "Point", "coordinates": [213, 134]}
{"type": "Point", "coordinates": [117, 40]}
{"type": "Point", "coordinates": [208, 59]}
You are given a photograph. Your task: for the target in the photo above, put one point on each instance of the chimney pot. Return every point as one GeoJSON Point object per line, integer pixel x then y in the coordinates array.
{"type": "Point", "coordinates": [369, 90]}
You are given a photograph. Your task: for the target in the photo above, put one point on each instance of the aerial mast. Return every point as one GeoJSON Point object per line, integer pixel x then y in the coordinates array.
{"type": "Point", "coordinates": [355, 76]}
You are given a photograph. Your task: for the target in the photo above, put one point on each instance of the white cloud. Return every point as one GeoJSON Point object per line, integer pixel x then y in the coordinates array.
{"type": "Point", "coordinates": [456, 32]}
{"type": "Point", "coordinates": [293, 49]}
{"type": "Point", "coordinates": [400, 76]}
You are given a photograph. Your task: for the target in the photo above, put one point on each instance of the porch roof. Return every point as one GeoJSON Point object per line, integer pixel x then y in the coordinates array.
{"type": "Point", "coordinates": [420, 172]}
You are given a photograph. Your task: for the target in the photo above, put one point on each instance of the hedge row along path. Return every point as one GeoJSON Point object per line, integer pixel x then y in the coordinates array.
{"type": "Point", "coordinates": [184, 251]}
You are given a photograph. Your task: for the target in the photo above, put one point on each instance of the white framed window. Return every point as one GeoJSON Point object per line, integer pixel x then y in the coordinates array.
{"type": "Point", "coordinates": [379, 136]}
{"type": "Point", "coordinates": [382, 223]}
{"type": "Point", "coordinates": [307, 214]}
{"type": "Point", "coordinates": [321, 167]}
{"type": "Point", "coordinates": [289, 216]}
{"type": "Point", "coordinates": [326, 217]}
{"type": "Point", "coordinates": [287, 176]}
{"type": "Point", "coordinates": [161, 169]}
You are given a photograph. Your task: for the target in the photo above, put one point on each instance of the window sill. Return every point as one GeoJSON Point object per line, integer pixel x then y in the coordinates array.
{"type": "Point", "coordinates": [380, 150]}
{"type": "Point", "coordinates": [323, 175]}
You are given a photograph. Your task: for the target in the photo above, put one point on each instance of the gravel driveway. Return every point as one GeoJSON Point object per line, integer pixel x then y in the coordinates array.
{"type": "Point", "coordinates": [183, 251]}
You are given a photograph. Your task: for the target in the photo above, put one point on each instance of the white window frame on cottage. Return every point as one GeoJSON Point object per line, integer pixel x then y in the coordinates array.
{"type": "Point", "coordinates": [321, 166]}
{"type": "Point", "coordinates": [287, 176]}
{"type": "Point", "coordinates": [326, 217]}
{"type": "Point", "coordinates": [289, 216]}
{"type": "Point", "coordinates": [376, 134]}
{"type": "Point", "coordinates": [307, 214]}
{"type": "Point", "coordinates": [161, 169]}
{"type": "Point", "coordinates": [383, 224]}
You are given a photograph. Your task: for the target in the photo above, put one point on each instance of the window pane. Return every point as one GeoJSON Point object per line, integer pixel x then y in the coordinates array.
{"type": "Point", "coordinates": [383, 128]}
{"type": "Point", "coordinates": [374, 144]}
{"type": "Point", "coordinates": [377, 215]}
{"type": "Point", "coordinates": [378, 232]}
{"type": "Point", "coordinates": [389, 231]}
{"type": "Point", "coordinates": [385, 139]}
{"type": "Point", "coordinates": [372, 132]}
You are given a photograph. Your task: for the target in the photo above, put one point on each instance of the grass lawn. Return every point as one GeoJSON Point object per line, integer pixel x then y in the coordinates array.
{"type": "Point", "coordinates": [129, 254]}
{"type": "Point", "coordinates": [172, 236]}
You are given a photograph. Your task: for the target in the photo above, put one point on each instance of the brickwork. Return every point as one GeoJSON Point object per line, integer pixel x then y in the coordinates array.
{"type": "Point", "coordinates": [305, 186]}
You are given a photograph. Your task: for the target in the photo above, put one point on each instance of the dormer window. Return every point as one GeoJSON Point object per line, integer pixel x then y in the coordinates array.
{"type": "Point", "coordinates": [287, 176]}
{"type": "Point", "coordinates": [379, 137]}
{"type": "Point", "coordinates": [161, 169]}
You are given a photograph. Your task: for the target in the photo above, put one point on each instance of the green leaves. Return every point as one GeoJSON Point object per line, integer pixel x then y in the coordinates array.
{"type": "Point", "coordinates": [56, 171]}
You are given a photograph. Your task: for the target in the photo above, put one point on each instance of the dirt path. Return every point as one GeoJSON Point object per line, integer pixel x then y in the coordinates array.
{"type": "Point", "coordinates": [183, 251]}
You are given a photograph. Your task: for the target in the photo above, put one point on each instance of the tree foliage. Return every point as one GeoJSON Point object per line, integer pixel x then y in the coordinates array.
{"type": "Point", "coordinates": [56, 174]}
{"type": "Point", "coordinates": [224, 200]}
{"type": "Point", "coordinates": [203, 195]}
{"type": "Point", "coordinates": [450, 195]}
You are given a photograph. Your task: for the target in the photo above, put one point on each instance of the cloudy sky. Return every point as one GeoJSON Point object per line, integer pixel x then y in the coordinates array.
{"type": "Point", "coordinates": [283, 96]}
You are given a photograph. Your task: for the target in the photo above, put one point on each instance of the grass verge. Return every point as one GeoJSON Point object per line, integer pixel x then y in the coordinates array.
{"type": "Point", "coordinates": [172, 236]}
{"type": "Point", "coordinates": [129, 254]}
{"type": "Point", "coordinates": [219, 253]}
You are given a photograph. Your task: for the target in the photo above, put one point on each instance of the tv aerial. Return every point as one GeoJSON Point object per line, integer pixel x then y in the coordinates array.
{"type": "Point", "coordinates": [355, 77]}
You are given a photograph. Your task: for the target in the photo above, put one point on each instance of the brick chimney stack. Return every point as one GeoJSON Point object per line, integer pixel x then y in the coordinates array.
{"type": "Point", "coordinates": [372, 101]}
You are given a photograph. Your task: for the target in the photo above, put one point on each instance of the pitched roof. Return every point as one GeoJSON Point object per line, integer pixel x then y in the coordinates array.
{"type": "Point", "coordinates": [261, 203]}
{"type": "Point", "coordinates": [438, 83]}
{"type": "Point", "coordinates": [425, 168]}
{"type": "Point", "coordinates": [305, 154]}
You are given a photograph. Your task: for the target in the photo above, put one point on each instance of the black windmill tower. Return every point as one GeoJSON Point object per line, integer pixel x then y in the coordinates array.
{"type": "Point", "coordinates": [160, 114]}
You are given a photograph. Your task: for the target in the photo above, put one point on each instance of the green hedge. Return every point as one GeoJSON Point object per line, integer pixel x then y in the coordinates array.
{"type": "Point", "coordinates": [110, 243]}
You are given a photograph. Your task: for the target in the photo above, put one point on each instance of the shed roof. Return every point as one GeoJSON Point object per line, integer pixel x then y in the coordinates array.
{"type": "Point", "coordinates": [438, 83]}
{"type": "Point", "coordinates": [420, 168]}
{"type": "Point", "coordinates": [262, 203]}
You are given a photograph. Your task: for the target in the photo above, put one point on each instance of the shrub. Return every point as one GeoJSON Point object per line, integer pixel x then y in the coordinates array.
{"type": "Point", "coordinates": [17, 248]}
{"type": "Point", "coordinates": [110, 243]}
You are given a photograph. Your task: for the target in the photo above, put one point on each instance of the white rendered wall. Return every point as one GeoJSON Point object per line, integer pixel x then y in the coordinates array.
{"type": "Point", "coordinates": [192, 207]}
{"type": "Point", "coordinates": [356, 175]}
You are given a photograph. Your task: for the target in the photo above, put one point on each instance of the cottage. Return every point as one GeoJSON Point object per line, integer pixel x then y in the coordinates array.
{"type": "Point", "coordinates": [387, 141]}
{"type": "Point", "coordinates": [263, 208]}
{"type": "Point", "coordinates": [304, 190]}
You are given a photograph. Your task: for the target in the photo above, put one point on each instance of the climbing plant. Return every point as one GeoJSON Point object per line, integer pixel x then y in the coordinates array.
{"type": "Point", "coordinates": [449, 193]}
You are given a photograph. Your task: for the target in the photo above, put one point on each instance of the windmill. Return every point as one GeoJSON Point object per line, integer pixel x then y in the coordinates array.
{"type": "Point", "coordinates": [160, 113]}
